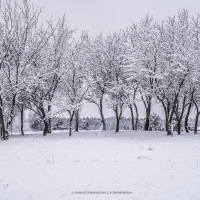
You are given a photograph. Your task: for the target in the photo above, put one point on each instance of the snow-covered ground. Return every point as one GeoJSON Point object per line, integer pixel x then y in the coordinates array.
{"type": "Point", "coordinates": [146, 165]}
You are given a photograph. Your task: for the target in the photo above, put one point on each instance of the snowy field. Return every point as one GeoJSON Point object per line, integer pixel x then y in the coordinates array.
{"type": "Point", "coordinates": [146, 165]}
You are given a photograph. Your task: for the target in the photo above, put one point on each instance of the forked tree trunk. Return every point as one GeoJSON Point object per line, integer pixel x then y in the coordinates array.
{"type": "Point", "coordinates": [118, 116]}
{"type": "Point", "coordinates": [187, 117]}
{"type": "Point", "coordinates": [147, 105]}
{"type": "Point", "coordinates": [168, 117]}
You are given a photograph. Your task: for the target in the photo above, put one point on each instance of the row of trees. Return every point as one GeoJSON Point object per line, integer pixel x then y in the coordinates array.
{"type": "Point", "coordinates": [43, 65]}
{"type": "Point", "coordinates": [86, 123]}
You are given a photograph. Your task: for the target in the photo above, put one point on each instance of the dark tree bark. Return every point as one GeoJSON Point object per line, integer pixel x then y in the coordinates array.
{"type": "Point", "coordinates": [70, 123]}
{"type": "Point", "coordinates": [46, 124]}
{"type": "Point", "coordinates": [188, 111]}
{"type": "Point", "coordinates": [148, 111]}
{"type": "Point", "coordinates": [187, 117]}
{"type": "Point", "coordinates": [179, 127]}
{"type": "Point", "coordinates": [132, 117]}
{"type": "Point", "coordinates": [4, 133]}
{"type": "Point", "coordinates": [168, 115]}
{"type": "Point", "coordinates": [147, 104]}
{"type": "Point", "coordinates": [11, 113]}
{"type": "Point", "coordinates": [49, 119]}
{"type": "Point", "coordinates": [101, 113]}
{"type": "Point", "coordinates": [179, 116]}
{"type": "Point", "coordinates": [118, 112]}
{"type": "Point", "coordinates": [22, 120]}
{"type": "Point", "coordinates": [137, 115]}
{"type": "Point", "coordinates": [117, 125]}
{"type": "Point", "coordinates": [197, 117]}
{"type": "Point", "coordinates": [77, 120]}
{"type": "Point", "coordinates": [196, 122]}
{"type": "Point", "coordinates": [100, 106]}
{"type": "Point", "coordinates": [46, 129]}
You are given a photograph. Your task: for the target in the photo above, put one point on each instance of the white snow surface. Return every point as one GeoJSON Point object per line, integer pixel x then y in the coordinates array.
{"type": "Point", "coordinates": [148, 165]}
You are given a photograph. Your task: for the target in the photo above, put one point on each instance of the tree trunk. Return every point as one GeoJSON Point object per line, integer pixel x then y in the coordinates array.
{"type": "Point", "coordinates": [179, 127]}
{"type": "Point", "coordinates": [70, 127]}
{"type": "Point", "coordinates": [49, 119]}
{"type": "Point", "coordinates": [104, 123]}
{"type": "Point", "coordinates": [136, 121]}
{"type": "Point", "coordinates": [70, 123]}
{"type": "Point", "coordinates": [187, 117]}
{"type": "Point", "coordinates": [117, 126]}
{"type": "Point", "coordinates": [11, 128]}
{"type": "Point", "coordinates": [101, 113]}
{"type": "Point", "coordinates": [132, 117]}
{"type": "Point", "coordinates": [22, 120]}
{"type": "Point", "coordinates": [46, 128]}
{"type": "Point", "coordinates": [77, 120]}
{"type": "Point", "coordinates": [4, 133]}
{"type": "Point", "coordinates": [196, 122]}
{"type": "Point", "coordinates": [148, 112]}
{"type": "Point", "coordinates": [169, 128]}
{"type": "Point", "coordinates": [118, 116]}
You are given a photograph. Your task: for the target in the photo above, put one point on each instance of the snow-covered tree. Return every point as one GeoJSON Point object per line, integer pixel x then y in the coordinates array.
{"type": "Point", "coordinates": [116, 51]}
{"type": "Point", "coordinates": [21, 41]}
{"type": "Point", "coordinates": [97, 59]}
{"type": "Point", "coordinates": [145, 39]}
{"type": "Point", "coordinates": [73, 79]}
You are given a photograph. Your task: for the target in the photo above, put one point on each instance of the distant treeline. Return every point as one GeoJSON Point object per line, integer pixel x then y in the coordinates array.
{"type": "Point", "coordinates": [92, 123]}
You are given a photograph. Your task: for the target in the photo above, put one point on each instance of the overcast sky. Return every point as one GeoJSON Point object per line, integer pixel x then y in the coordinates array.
{"type": "Point", "coordinates": [108, 15]}
{"type": "Point", "coordinates": [98, 16]}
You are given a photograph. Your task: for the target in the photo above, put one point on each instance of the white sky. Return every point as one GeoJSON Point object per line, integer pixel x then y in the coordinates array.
{"type": "Point", "coordinates": [98, 16]}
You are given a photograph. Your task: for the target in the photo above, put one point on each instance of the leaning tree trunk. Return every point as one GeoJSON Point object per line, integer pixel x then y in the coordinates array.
{"type": "Point", "coordinates": [101, 113]}
{"type": "Point", "coordinates": [49, 119]}
{"type": "Point", "coordinates": [77, 120]}
{"type": "Point", "coordinates": [103, 119]}
{"type": "Point", "coordinates": [22, 120]}
{"type": "Point", "coordinates": [187, 117]}
{"type": "Point", "coordinates": [132, 117]}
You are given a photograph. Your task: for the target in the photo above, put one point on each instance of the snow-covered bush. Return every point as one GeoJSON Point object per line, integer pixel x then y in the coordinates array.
{"type": "Point", "coordinates": [156, 123]}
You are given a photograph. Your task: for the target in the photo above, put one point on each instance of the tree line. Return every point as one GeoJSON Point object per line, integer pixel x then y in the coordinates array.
{"type": "Point", "coordinates": [43, 65]}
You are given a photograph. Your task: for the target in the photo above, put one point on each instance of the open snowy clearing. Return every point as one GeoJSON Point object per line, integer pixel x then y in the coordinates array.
{"type": "Point", "coordinates": [146, 165]}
